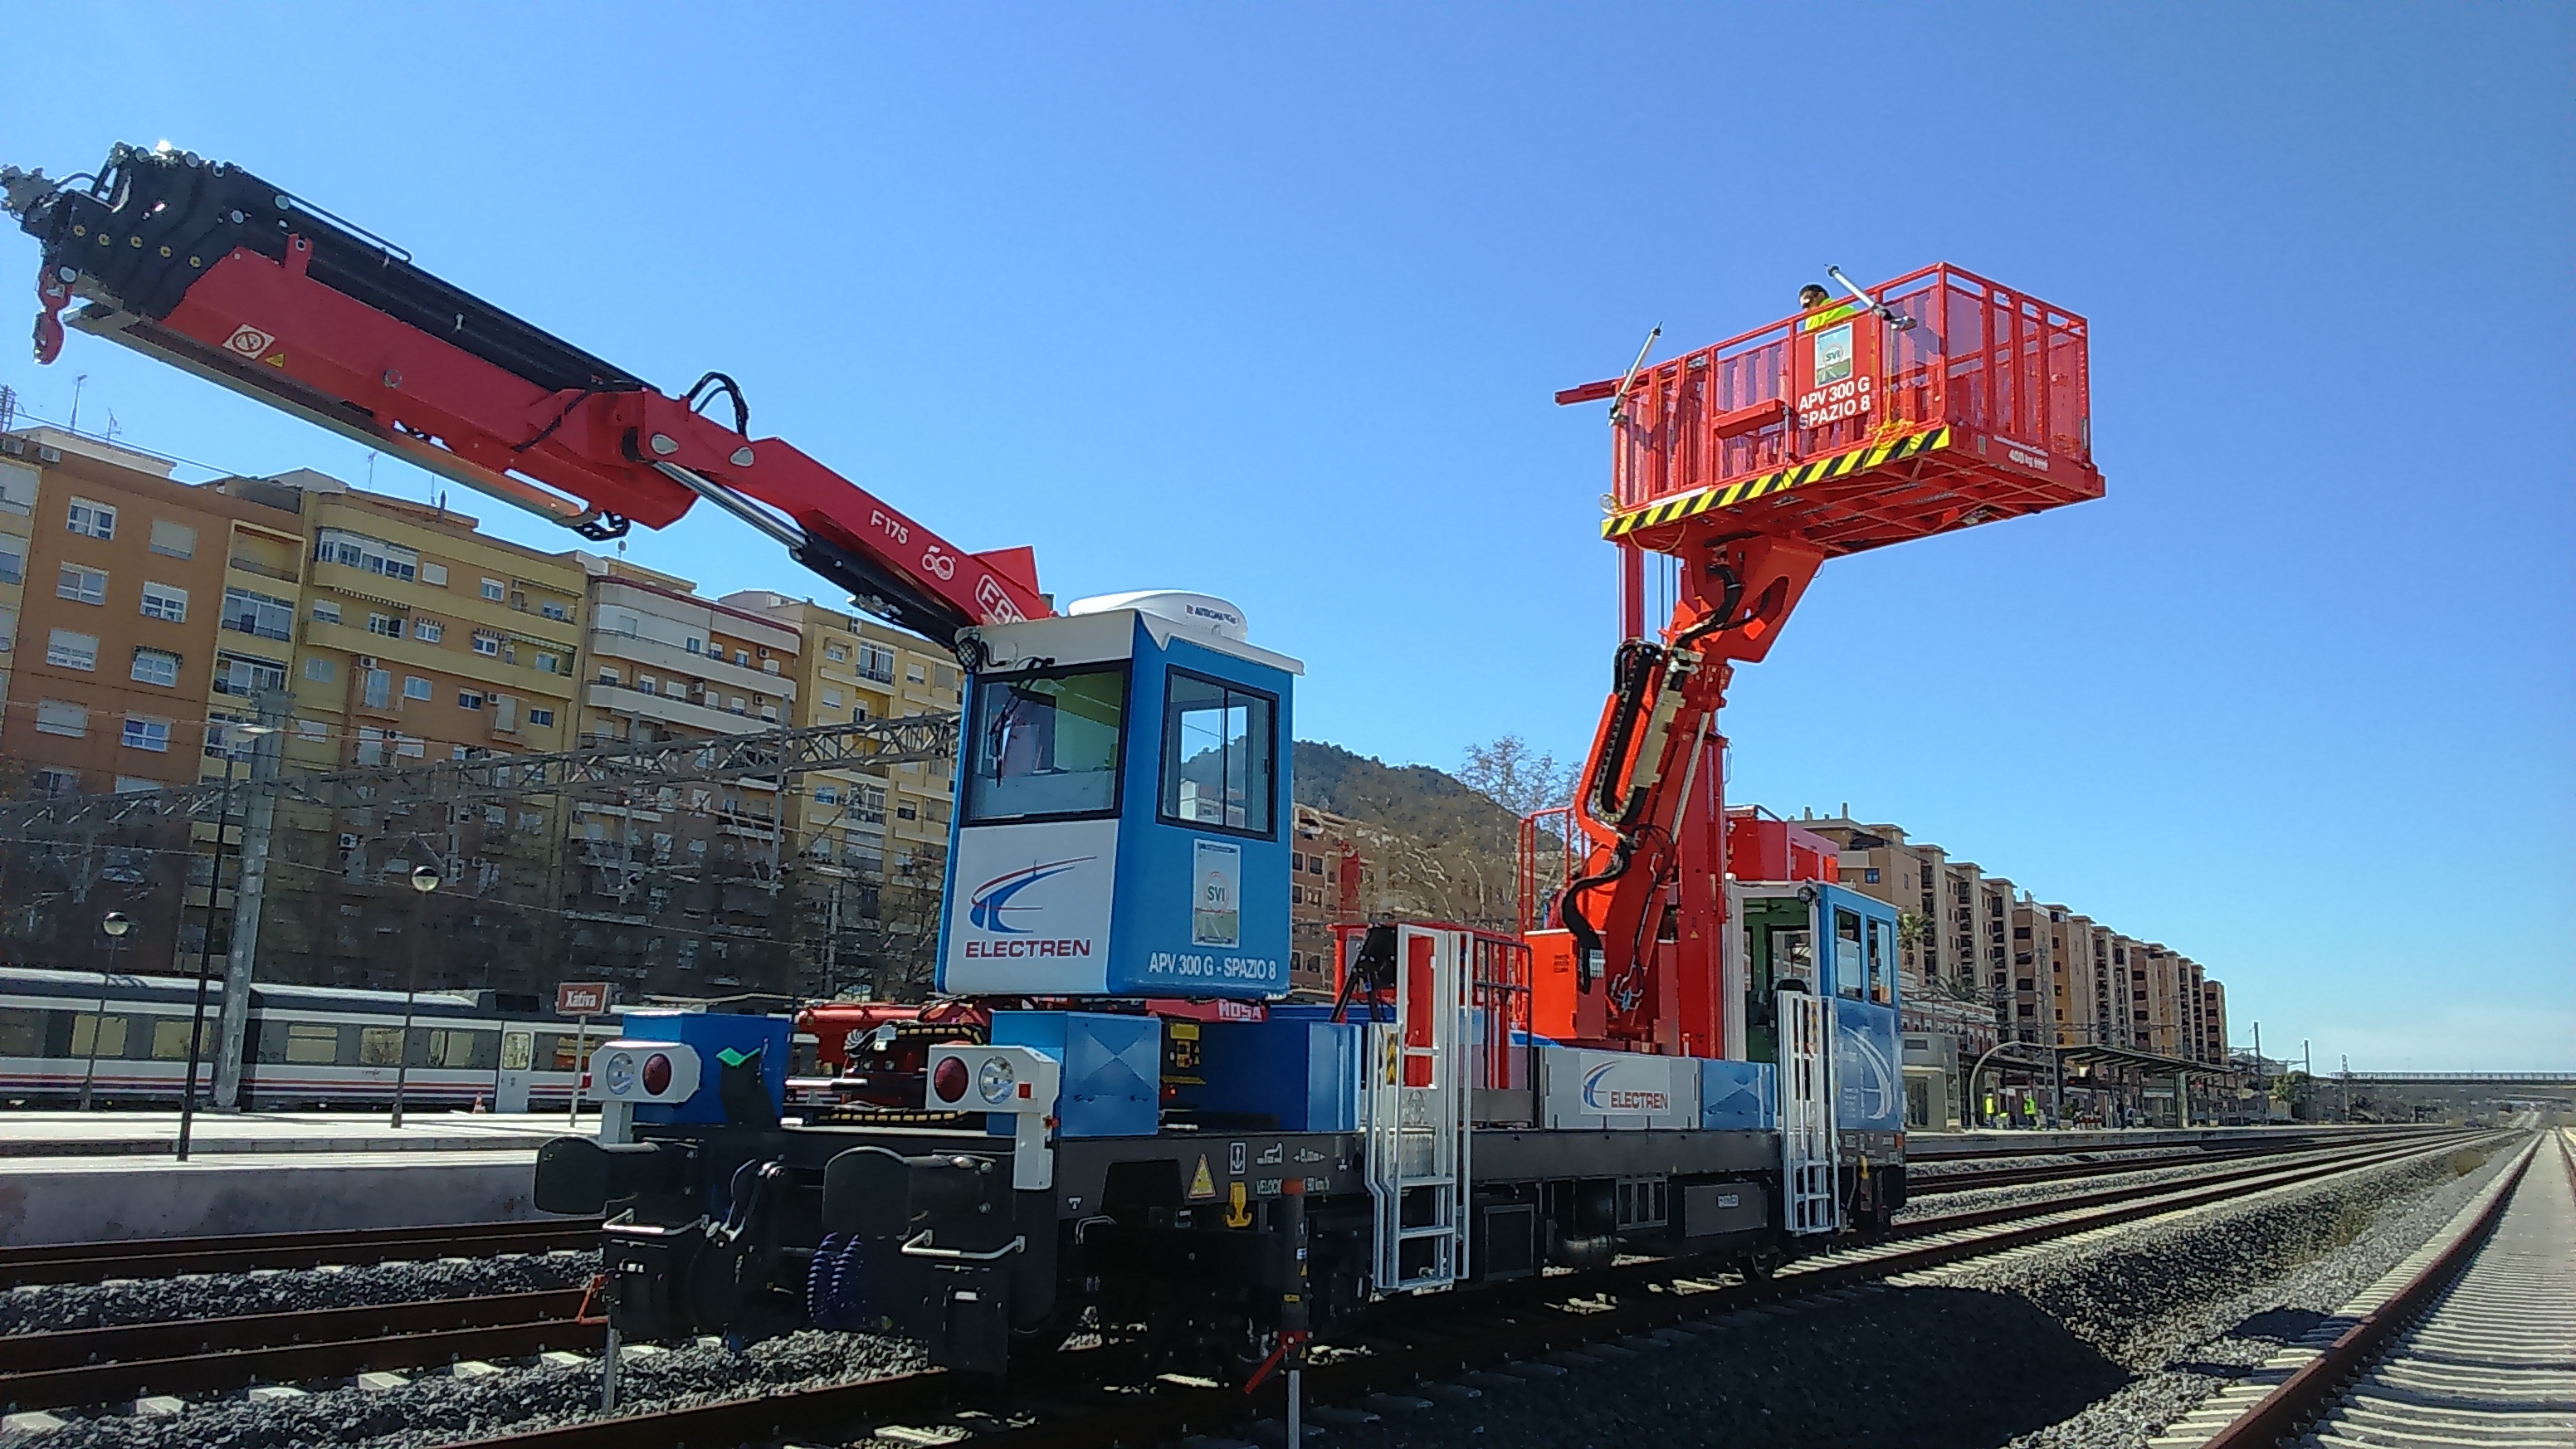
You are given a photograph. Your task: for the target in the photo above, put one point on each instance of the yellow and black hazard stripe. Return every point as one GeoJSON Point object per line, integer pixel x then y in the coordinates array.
{"type": "Point", "coordinates": [1840, 465]}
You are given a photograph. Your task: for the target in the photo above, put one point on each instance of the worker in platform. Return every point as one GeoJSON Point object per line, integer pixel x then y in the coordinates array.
{"type": "Point", "coordinates": [1819, 306]}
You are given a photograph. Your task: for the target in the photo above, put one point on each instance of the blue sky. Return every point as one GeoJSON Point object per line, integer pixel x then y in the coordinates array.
{"type": "Point", "coordinates": [1269, 301]}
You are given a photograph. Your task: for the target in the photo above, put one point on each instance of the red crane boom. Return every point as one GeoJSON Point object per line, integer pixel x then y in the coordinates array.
{"type": "Point", "coordinates": [1939, 402]}
{"type": "Point", "coordinates": [207, 267]}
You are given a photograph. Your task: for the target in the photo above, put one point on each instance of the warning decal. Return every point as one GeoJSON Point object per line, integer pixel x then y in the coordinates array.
{"type": "Point", "coordinates": [249, 341]}
{"type": "Point", "coordinates": [1202, 1186]}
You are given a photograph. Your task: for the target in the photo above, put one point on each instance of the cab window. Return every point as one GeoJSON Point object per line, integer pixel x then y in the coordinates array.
{"type": "Point", "coordinates": [1877, 951]}
{"type": "Point", "coordinates": [1217, 746]}
{"type": "Point", "coordinates": [1045, 745]}
{"type": "Point", "coordinates": [1850, 977]}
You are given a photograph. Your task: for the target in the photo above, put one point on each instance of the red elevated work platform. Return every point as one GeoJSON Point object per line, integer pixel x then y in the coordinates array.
{"type": "Point", "coordinates": [1846, 429]}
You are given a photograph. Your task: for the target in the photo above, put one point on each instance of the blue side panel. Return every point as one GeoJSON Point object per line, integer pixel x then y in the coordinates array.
{"type": "Point", "coordinates": [1113, 1069]}
{"type": "Point", "coordinates": [1165, 943]}
{"type": "Point", "coordinates": [1737, 1095]}
{"type": "Point", "coordinates": [1303, 1075]}
{"type": "Point", "coordinates": [713, 1034]}
{"type": "Point", "coordinates": [1865, 1068]}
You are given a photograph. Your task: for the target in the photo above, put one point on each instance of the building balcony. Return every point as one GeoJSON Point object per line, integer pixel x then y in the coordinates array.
{"type": "Point", "coordinates": [661, 658]}
{"type": "Point", "coordinates": [627, 700]}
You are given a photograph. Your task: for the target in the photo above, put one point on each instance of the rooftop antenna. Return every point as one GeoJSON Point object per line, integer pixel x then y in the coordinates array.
{"type": "Point", "coordinates": [1619, 399]}
{"type": "Point", "coordinates": [1886, 313]}
{"type": "Point", "coordinates": [79, 381]}
{"type": "Point", "coordinates": [371, 470]}
{"type": "Point", "coordinates": [113, 426]}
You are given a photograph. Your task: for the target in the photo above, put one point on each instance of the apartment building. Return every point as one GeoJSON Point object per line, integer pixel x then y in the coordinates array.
{"type": "Point", "coordinates": [2213, 1021]}
{"type": "Point", "coordinates": [875, 840]}
{"type": "Point", "coordinates": [1334, 876]}
{"type": "Point", "coordinates": [126, 652]}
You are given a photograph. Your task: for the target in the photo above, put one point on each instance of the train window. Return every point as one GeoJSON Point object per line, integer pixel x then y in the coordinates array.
{"type": "Point", "coordinates": [110, 1038]}
{"type": "Point", "coordinates": [1850, 977]}
{"type": "Point", "coordinates": [518, 1049]}
{"type": "Point", "coordinates": [567, 1043]}
{"type": "Point", "coordinates": [312, 1043]}
{"type": "Point", "coordinates": [170, 1039]}
{"type": "Point", "coordinates": [452, 1048]}
{"type": "Point", "coordinates": [1878, 954]}
{"type": "Point", "coordinates": [379, 1046]}
{"type": "Point", "coordinates": [22, 1032]}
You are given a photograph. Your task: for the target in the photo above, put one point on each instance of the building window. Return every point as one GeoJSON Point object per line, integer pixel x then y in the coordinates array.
{"type": "Point", "coordinates": [831, 699]}
{"type": "Point", "coordinates": [325, 612]}
{"type": "Point", "coordinates": [541, 717]}
{"type": "Point", "coordinates": [165, 602]}
{"type": "Point", "coordinates": [607, 674]}
{"type": "Point", "coordinates": [247, 674]}
{"type": "Point", "coordinates": [52, 783]}
{"type": "Point", "coordinates": [735, 705]}
{"type": "Point", "coordinates": [434, 574]}
{"type": "Point", "coordinates": [769, 666]}
{"type": "Point", "coordinates": [487, 645]}
{"type": "Point", "coordinates": [373, 555]}
{"type": "Point", "coordinates": [428, 631]}
{"type": "Point", "coordinates": [415, 687]}
{"type": "Point", "coordinates": [559, 612]}
{"type": "Point", "coordinates": [836, 654]}
{"type": "Point", "coordinates": [742, 659]}
{"type": "Point", "coordinates": [495, 590]}
{"type": "Point", "coordinates": [319, 669]}
{"type": "Point", "coordinates": [138, 784]}
{"type": "Point", "coordinates": [18, 496]}
{"type": "Point", "coordinates": [146, 734]}
{"type": "Point", "coordinates": [1869, 875]}
{"type": "Point", "coordinates": [13, 561]}
{"type": "Point", "coordinates": [260, 614]}
{"type": "Point", "coordinates": [388, 625]}
{"type": "Point", "coordinates": [827, 794]}
{"type": "Point", "coordinates": [912, 674]}
{"type": "Point", "coordinates": [8, 630]}
{"type": "Point", "coordinates": [876, 662]}
{"type": "Point", "coordinates": [80, 585]}
{"type": "Point", "coordinates": [91, 519]}
{"type": "Point", "coordinates": [61, 717]}
{"type": "Point", "coordinates": [468, 699]}
{"type": "Point", "coordinates": [379, 688]}
{"type": "Point", "coordinates": [177, 540]}
{"type": "Point", "coordinates": [156, 666]}
{"type": "Point", "coordinates": [70, 650]}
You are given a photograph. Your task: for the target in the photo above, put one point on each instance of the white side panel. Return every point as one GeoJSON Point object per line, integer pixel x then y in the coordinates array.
{"type": "Point", "coordinates": [1031, 909]}
{"type": "Point", "coordinates": [1630, 1090]}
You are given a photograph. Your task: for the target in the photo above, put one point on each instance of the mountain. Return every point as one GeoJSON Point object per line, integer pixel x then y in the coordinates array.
{"type": "Point", "coordinates": [1447, 850]}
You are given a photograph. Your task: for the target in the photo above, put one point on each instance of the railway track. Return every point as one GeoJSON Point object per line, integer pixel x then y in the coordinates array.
{"type": "Point", "coordinates": [171, 1257]}
{"type": "Point", "coordinates": [1079, 1400]}
{"type": "Point", "coordinates": [2470, 1342]}
{"type": "Point", "coordinates": [2098, 1163]}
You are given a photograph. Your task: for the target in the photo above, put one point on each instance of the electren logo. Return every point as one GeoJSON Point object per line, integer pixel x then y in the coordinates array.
{"type": "Point", "coordinates": [1620, 1099]}
{"type": "Point", "coordinates": [989, 903]}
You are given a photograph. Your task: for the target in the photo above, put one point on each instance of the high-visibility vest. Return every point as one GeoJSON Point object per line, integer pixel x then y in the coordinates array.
{"type": "Point", "coordinates": [1831, 315]}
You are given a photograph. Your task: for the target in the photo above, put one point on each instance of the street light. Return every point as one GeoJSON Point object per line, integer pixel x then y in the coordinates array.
{"type": "Point", "coordinates": [206, 940]}
{"type": "Point", "coordinates": [115, 924]}
{"type": "Point", "coordinates": [424, 879]}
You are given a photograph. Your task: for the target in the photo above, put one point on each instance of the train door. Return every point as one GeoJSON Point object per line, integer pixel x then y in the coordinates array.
{"type": "Point", "coordinates": [518, 1068]}
{"type": "Point", "coordinates": [1774, 944]}
{"type": "Point", "coordinates": [1859, 980]}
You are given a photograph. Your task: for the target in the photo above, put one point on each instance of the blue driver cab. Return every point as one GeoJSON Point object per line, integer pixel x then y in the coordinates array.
{"type": "Point", "coordinates": [1122, 795]}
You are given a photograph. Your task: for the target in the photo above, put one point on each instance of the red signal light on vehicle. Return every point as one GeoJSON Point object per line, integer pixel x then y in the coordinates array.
{"type": "Point", "coordinates": [949, 1080]}
{"type": "Point", "coordinates": [657, 1073]}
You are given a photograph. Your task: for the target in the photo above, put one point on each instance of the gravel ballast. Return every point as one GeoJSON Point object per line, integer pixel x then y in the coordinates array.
{"type": "Point", "coordinates": [49, 1307]}
{"type": "Point", "coordinates": [2092, 1343]}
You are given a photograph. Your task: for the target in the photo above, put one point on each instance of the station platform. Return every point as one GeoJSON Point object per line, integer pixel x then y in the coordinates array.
{"type": "Point", "coordinates": [156, 1134]}
{"type": "Point", "coordinates": [73, 1177]}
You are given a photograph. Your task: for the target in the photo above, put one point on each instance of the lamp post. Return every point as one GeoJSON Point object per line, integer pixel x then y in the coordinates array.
{"type": "Point", "coordinates": [423, 880]}
{"type": "Point", "coordinates": [115, 924]}
{"type": "Point", "coordinates": [206, 942]}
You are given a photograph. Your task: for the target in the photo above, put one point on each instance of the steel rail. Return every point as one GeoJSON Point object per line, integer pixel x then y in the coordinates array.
{"type": "Point", "coordinates": [28, 1353]}
{"type": "Point", "coordinates": [842, 1412]}
{"type": "Point", "coordinates": [2307, 1392]}
{"type": "Point", "coordinates": [2182, 1155]}
{"type": "Point", "coordinates": [168, 1257]}
{"type": "Point", "coordinates": [398, 1336]}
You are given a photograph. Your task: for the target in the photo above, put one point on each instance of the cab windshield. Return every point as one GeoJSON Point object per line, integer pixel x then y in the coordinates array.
{"type": "Point", "coordinates": [1045, 746]}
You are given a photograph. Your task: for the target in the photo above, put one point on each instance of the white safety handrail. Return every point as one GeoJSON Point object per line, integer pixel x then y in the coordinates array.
{"type": "Point", "coordinates": [1417, 1102]}
{"type": "Point", "coordinates": [1809, 1152]}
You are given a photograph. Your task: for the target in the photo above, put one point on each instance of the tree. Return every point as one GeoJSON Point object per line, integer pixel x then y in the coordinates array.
{"type": "Point", "coordinates": [1512, 775]}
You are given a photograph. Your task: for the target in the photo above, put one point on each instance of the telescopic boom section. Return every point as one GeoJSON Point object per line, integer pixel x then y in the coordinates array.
{"type": "Point", "coordinates": [206, 266]}
{"type": "Point", "coordinates": [1937, 402]}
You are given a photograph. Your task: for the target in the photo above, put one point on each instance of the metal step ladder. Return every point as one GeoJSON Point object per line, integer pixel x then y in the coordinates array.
{"type": "Point", "coordinates": [1416, 1100]}
{"type": "Point", "coordinates": [1809, 1151]}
